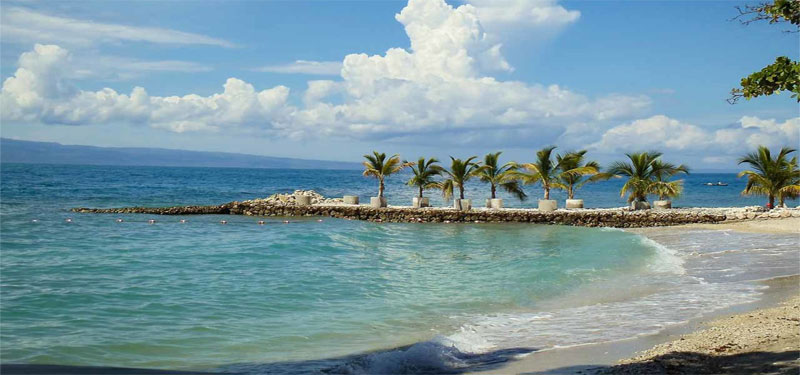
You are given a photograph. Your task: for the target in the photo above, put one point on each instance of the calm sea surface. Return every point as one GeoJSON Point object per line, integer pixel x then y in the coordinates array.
{"type": "Point", "coordinates": [336, 296]}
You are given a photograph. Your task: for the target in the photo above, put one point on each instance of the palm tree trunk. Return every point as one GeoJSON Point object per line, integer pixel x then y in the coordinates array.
{"type": "Point", "coordinates": [494, 191]}
{"type": "Point", "coordinates": [461, 190]}
{"type": "Point", "coordinates": [571, 192]}
{"type": "Point", "coordinates": [420, 191]}
{"type": "Point", "coordinates": [380, 188]}
{"type": "Point", "coordinates": [771, 201]}
{"type": "Point", "coordinates": [547, 193]}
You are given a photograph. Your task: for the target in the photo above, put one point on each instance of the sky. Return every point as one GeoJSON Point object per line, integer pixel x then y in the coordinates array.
{"type": "Point", "coordinates": [337, 79]}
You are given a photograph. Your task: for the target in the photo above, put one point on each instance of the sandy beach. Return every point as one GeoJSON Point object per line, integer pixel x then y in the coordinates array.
{"type": "Point", "coordinates": [776, 225]}
{"type": "Point", "coordinates": [762, 337]}
{"type": "Point", "coordinates": [764, 341]}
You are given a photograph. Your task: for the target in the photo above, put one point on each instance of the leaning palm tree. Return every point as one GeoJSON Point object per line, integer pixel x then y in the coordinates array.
{"type": "Point", "coordinates": [503, 176]}
{"type": "Point", "coordinates": [460, 172]}
{"type": "Point", "coordinates": [576, 172]}
{"type": "Point", "coordinates": [661, 172]}
{"type": "Point", "coordinates": [379, 167]}
{"type": "Point", "coordinates": [639, 171]}
{"type": "Point", "coordinates": [424, 173]}
{"type": "Point", "coordinates": [777, 177]}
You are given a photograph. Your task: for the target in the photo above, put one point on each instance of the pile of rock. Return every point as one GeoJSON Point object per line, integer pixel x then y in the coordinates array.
{"type": "Point", "coordinates": [291, 199]}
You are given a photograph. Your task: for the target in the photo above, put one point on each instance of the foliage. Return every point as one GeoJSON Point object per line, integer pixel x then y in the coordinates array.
{"type": "Point", "coordinates": [503, 176]}
{"type": "Point", "coordinates": [460, 172]}
{"type": "Point", "coordinates": [662, 171]}
{"type": "Point", "coordinates": [777, 12]}
{"type": "Point", "coordinates": [379, 167]}
{"type": "Point", "coordinates": [777, 177]}
{"type": "Point", "coordinates": [549, 172]}
{"type": "Point", "coordinates": [578, 172]}
{"type": "Point", "coordinates": [784, 73]}
{"type": "Point", "coordinates": [647, 174]}
{"type": "Point", "coordinates": [424, 173]}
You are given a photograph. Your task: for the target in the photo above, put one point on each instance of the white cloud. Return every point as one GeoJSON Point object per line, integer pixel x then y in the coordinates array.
{"type": "Point", "coordinates": [38, 93]}
{"type": "Point", "coordinates": [305, 67]}
{"type": "Point", "coordinates": [25, 25]}
{"type": "Point", "coordinates": [523, 13]}
{"type": "Point", "coordinates": [661, 132]}
{"type": "Point", "coordinates": [441, 84]}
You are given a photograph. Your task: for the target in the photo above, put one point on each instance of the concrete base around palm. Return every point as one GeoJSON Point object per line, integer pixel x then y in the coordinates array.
{"type": "Point", "coordinates": [637, 205]}
{"type": "Point", "coordinates": [574, 203]}
{"type": "Point", "coordinates": [377, 202]}
{"type": "Point", "coordinates": [420, 202]}
{"type": "Point", "coordinates": [303, 200]}
{"type": "Point", "coordinates": [496, 203]}
{"type": "Point", "coordinates": [462, 204]}
{"type": "Point", "coordinates": [547, 205]}
{"type": "Point", "coordinates": [662, 205]}
{"type": "Point", "coordinates": [350, 199]}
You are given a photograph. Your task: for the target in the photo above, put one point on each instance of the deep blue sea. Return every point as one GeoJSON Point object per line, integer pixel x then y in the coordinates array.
{"type": "Point", "coordinates": [337, 296]}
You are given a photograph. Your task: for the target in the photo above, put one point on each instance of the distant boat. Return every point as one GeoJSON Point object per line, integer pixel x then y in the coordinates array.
{"type": "Point", "coordinates": [719, 183]}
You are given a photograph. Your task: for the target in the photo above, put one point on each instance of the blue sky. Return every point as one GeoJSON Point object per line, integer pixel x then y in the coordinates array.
{"type": "Point", "coordinates": [512, 75]}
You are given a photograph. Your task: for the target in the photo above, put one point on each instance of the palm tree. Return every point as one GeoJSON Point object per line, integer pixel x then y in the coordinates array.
{"type": "Point", "coordinates": [502, 176]}
{"type": "Point", "coordinates": [379, 167]}
{"type": "Point", "coordinates": [778, 177]}
{"type": "Point", "coordinates": [647, 174]}
{"type": "Point", "coordinates": [662, 171]}
{"type": "Point", "coordinates": [577, 172]}
{"type": "Point", "coordinates": [424, 173]}
{"type": "Point", "coordinates": [460, 172]}
{"type": "Point", "coordinates": [549, 172]}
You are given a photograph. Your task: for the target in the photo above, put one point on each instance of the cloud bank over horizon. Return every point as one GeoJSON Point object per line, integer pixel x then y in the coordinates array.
{"type": "Point", "coordinates": [440, 83]}
{"type": "Point", "coordinates": [444, 83]}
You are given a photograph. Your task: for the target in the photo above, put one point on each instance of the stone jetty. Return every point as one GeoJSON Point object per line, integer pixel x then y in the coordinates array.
{"type": "Point", "coordinates": [282, 206]}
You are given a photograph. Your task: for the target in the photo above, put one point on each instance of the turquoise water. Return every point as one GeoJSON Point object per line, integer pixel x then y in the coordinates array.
{"type": "Point", "coordinates": [308, 296]}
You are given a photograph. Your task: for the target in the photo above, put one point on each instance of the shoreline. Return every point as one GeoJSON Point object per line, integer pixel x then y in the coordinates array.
{"type": "Point", "coordinates": [625, 356]}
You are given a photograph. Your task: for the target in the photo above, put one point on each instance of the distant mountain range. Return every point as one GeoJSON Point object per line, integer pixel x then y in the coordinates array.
{"type": "Point", "coordinates": [15, 151]}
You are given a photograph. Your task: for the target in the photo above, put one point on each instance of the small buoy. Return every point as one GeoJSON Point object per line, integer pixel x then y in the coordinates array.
{"type": "Point", "coordinates": [378, 220]}
{"type": "Point", "coordinates": [119, 220]}
{"type": "Point", "coordinates": [34, 221]}
{"type": "Point", "coordinates": [151, 221]}
{"type": "Point", "coordinates": [319, 220]}
{"type": "Point", "coordinates": [223, 222]}
{"type": "Point", "coordinates": [447, 221]}
{"type": "Point", "coordinates": [69, 220]}
{"type": "Point", "coordinates": [477, 221]}
{"type": "Point", "coordinates": [183, 221]}
{"type": "Point", "coordinates": [261, 222]}
{"type": "Point", "coordinates": [286, 221]}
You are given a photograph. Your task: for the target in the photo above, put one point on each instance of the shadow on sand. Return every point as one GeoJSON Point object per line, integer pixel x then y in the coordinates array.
{"type": "Point", "coordinates": [420, 358]}
{"type": "Point", "coordinates": [690, 363]}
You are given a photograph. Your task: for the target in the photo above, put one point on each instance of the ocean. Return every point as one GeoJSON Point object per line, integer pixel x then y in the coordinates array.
{"type": "Point", "coordinates": [338, 296]}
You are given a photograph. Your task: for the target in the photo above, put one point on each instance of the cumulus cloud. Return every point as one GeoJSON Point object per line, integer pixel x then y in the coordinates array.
{"type": "Point", "coordinates": [442, 83]}
{"type": "Point", "coordinates": [661, 132]}
{"type": "Point", "coordinates": [38, 92]}
{"type": "Point", "coordinates": [523, 13]}
{"type": "Point", "coordinates": [305, 67]}
{"type": "Point", "coordinates": [26, 25]}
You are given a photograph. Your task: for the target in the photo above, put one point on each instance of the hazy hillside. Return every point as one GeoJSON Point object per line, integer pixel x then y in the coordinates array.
{"type": "Point", "coordinates": [14, 151]}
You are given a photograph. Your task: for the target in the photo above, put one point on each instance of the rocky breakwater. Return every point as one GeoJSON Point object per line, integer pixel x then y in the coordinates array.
{"type": "Point", "coordinates": [286, 205]}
